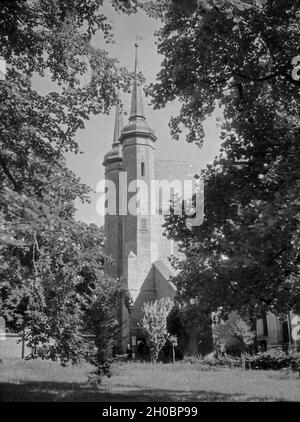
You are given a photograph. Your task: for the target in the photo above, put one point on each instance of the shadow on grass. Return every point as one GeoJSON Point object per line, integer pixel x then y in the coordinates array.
{"type": "Point", "coordinates": [70, 392]}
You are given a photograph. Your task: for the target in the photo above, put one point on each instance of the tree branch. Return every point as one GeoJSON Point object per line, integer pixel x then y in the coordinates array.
{"type": "Point", "coordinates": [259, 79]}
{"type": "Point", "coordinates": [283, 72]}
{"type": "Point", "coordinates": [9, 175]}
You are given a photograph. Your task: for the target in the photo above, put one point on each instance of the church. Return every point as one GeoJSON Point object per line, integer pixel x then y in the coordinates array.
{"type": "Point", "coordinates": [138, 249]}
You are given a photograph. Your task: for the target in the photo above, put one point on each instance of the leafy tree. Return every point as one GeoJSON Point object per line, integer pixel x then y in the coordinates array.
{"type": "Point", "coordinates": [242, 331]}
{"type": "Point", "coordinates": [100, 321]}
{"type": "Point", "coordinates": [245, 256]}
{"type": "Point", "coordinates": [154, 324]}
{"type": "Point", "coordinates": [51, 266]}
{"type": "Point", "coordinates": [192, 324]}
{"type": "Point", "coordinates": [237, 328]}
{"type": "Point", "coordinates": [158, 9]}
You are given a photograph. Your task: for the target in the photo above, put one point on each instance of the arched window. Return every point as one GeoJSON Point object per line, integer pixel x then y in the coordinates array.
{"type": "Point", "coordinates": [142, 168]}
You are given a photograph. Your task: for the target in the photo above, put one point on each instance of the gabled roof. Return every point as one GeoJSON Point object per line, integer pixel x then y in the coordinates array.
{"type": "Point", "coordinates": [165, 271]}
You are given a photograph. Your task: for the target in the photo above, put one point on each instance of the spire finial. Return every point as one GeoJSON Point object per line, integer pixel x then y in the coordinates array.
{"type": "Point", "coordinates": [137, 108]}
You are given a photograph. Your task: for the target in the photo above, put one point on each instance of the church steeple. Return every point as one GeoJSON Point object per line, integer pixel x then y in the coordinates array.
{"type": "Point", "coordinates": [118, 123]}
{"type": "Point", "coordinates": [137, 106]}
{"type": "Point", "coordinates": [115, 154]}
{"type": "Point", "coordinates": [137, 125]}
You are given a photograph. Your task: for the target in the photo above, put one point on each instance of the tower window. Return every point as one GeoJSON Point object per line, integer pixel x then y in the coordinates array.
{"type": "Point", "coordinates": [143, 169]}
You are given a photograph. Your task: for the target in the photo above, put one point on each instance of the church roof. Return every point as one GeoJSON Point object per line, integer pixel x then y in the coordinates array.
{"type": "Point", "coordinates": [115, 154]}
{"type": "Point", "coordinates": [166, 272]}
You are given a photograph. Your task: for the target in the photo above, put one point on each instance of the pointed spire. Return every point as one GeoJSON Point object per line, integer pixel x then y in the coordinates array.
{"type": "Point", "coordinates": [137, 107]}
{"type": "Point", "coordinates": [137, 125]}
{"type": "Point", "coordinates": [118, 122]}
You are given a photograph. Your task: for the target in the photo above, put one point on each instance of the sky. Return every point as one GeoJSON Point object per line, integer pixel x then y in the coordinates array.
{"type": "Point", "coordinates": [96, 139]}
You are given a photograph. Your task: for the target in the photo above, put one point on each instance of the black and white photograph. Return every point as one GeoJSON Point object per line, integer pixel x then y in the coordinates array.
{"type": "Point", "coordinates": [149, 204]}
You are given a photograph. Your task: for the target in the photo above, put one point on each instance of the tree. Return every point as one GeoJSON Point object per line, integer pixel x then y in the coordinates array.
{"type": "Point", "coordinates": [246, 254]}
{"type": "Point", "coordinates": [59, 291]}
{"type": "Point", "coordinates": [192, 324]}
{"type": "Point", "coordinates": [154, 324]}
{"type": "Point", "coordinates": [100, 321]}
{"type": "Point", "coordinates": [158, 9]}
{"type": "Point", "coordinates": [51, 266]}
{"type": "Point", "coordinates": [237, 328]}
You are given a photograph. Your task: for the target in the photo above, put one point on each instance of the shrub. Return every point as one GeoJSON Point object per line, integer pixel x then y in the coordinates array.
{"type": "Point", "coordinates": [295, 361]}
{"type": "Point", "coordinates": [273, 359]}
{"type": "Point", "coordinates": [154, 324]}
{"type": "Point", "coordinates": [95, 376]}
{"type": "Point", "coordinates": [211, 360]}
{"type": "Point", "coordinates": [193, 359]}
{"type": "Point", "coordinates": [234, 334]}
{"type": "Point", "coordinates": [223, 361]}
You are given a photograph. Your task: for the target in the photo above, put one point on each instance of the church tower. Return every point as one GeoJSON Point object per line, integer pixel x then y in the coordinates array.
{"type": "Point", "coordinates": [135, 243]}
{"type": "Point", "coordinates": [113, 222]}
{"type": "Point", "coordinates": [137, 140]}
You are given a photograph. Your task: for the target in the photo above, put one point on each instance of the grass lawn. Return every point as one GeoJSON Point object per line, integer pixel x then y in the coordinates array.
{"type": "Point", "coordinates": [40, 380]}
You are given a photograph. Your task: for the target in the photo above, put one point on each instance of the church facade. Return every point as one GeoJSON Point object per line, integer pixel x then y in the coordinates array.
{"type": "Point", "coordinates": [138, 249]}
